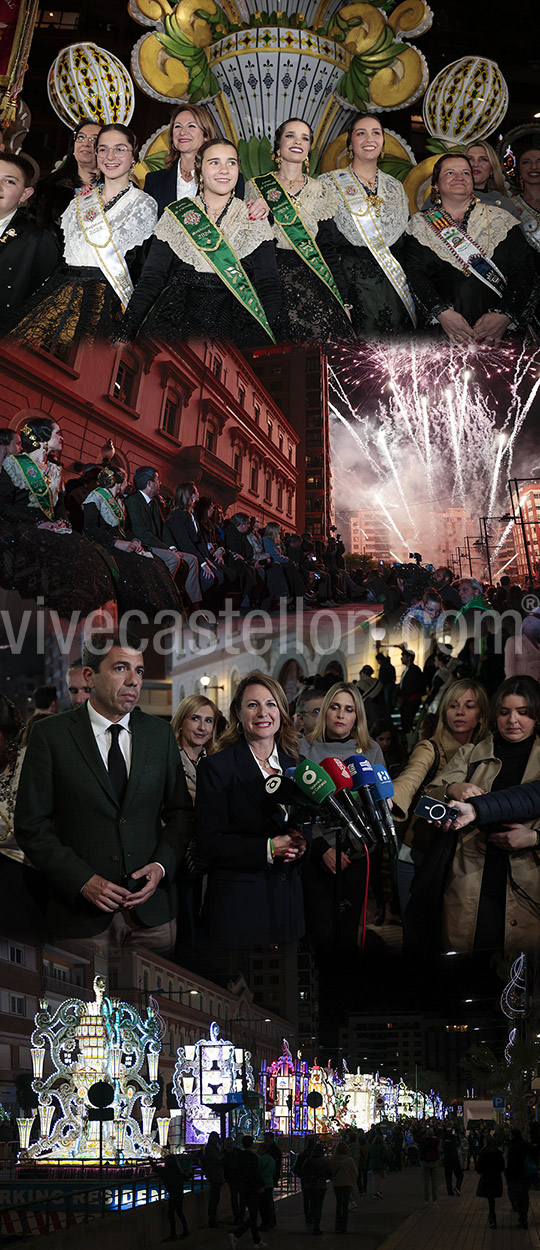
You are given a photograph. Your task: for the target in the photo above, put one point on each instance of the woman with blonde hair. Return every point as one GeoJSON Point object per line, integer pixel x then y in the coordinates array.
{"type": "Point", "coordinates": [340, 731]}
{"type": "Point", "coordinates": [253, 856]}
{"type": "Point", "coordinates": [488, 177]}
{"type": "Point", "coordinates": [463, 718]}
{"type": "Point", "coordinates": [194, 724]}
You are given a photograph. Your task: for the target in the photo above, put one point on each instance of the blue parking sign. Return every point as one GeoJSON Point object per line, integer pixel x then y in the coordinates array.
{"type": "Point", "coordinates": [499, 1102]}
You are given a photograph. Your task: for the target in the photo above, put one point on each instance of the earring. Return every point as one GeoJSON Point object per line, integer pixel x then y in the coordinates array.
{"type": "Point", "coordinates": [435, 197]}
{"type": "Point", "coordinates": [350, 152]}
{"type": "Point", "coordinates": [306, 163]}
{"type": "Point", "coordinates": [238, 727]}
{"type": "Point", "coordinates": [277, 159]}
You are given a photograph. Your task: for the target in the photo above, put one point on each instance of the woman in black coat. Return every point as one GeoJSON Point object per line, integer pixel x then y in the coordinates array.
{"type": "Point", "coordinates": [490, 1168]}
{"type": "Point", "coordinates": [254, 894]}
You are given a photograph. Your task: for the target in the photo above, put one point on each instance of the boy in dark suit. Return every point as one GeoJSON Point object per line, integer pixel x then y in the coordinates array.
{"type": "Point", "coordinates": [28, 254]}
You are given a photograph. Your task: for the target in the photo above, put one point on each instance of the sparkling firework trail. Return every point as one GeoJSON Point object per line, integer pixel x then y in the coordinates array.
{"type": "Point", "coordinates": [392, 523]}
{"type": "Point", "coordinates": [439, 410]}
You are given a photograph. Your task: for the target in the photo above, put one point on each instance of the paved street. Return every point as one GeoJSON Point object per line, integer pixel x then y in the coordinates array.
{"type": "Point", "coordinates": [400, 1221]}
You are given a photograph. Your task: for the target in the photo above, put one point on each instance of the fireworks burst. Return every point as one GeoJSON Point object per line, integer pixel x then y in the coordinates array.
{"type": "Point", "coordinates": [435, 427]}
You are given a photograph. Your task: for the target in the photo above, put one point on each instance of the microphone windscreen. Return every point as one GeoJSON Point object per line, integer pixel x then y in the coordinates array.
{"type": "Point", "coordinates": [339, 772]}
{"type": "Point", "coordinates": [361, 771]}
{"type": "Point", "coordinates": [313, 781]}
{"type": "Point", "coordinates": [383, 783]}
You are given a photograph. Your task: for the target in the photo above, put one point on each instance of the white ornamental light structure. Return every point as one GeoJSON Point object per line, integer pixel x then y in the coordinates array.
{"type": "Point", "coordinates": [210, 1074]}
{"type": "Point", "coordinates": [467, 100]}
{"type": "Point", "coordinates": [106, 1040]}
{"type": "Point", "coordinates": [87, 82]}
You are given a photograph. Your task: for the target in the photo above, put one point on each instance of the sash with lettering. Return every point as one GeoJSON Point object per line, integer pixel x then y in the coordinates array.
{"type": "Point", "coordinates": [207, 237]}
{"type": "Point", "coordinates": [469, 255]}
{"type": "Point", "coordinates": [108, 504]}
{"type": "Point", "coordinates": [99, 235]}
{"type": "Point", "coordinates": [37, 484]}
{"type": "Point", "coordinates": [289, 219]}
{"type": "Point", "coordinates": [358, 205]}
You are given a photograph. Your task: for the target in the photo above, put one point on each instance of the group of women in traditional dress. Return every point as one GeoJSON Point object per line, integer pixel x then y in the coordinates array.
{"type": "Point", "coordinates": [290, 257]}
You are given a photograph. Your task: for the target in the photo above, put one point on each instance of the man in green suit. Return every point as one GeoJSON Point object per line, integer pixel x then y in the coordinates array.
{"type": "Point", "coordinates": [103, 811]}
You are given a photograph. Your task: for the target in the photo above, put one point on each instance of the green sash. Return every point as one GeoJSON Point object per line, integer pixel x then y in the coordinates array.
{"type": "Point", "coordinates": [37, 484]}
{"type": "Point", "coordinates": [286, 214]}
{"type": "Point", "coordinates": [115, 507]}
{"type": "Point", "coordinates": [207, 237]}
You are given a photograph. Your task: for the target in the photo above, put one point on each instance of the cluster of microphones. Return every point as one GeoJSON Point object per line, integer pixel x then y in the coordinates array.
{"type": "Point", "coordinates": [328, 787]}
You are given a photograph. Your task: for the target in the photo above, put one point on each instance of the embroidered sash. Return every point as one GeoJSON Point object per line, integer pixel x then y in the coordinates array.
{"type": "Point", "coordinates": [208, 239]}
{"type": "Point", "coordinates": [111, 510]}
{"type": "Point", "coordinates": [358, 205]}
{"type": "Point", "coordinates": [288, 217]}
{"type": "Point", "coordinates": [470, 256]}
{"type": "Point", "coordinates": [37, 484]}
{"type": "Point", "coordinates": [99, 235]}
{"type": "Point", "coordinates": [529, 219]}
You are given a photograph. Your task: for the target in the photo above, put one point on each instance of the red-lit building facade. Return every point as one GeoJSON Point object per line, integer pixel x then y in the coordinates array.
{"type": "Point", "coordinates": [199, 414]}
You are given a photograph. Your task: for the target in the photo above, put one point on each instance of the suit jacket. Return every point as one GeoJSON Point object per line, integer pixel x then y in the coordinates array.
{"type": "Point", "coordinates": [70, 825]}
{"type": "Point", "coordinates": [161, 184]}
{"type": "Point", "coordinates": [186, 537]}
{"type": "Point", "coordinates": [248, 900]}
{"type": "Point", "coordinates": [27, 258]}
{"type": "Point", "coordinates": [147, 522]}
{"type": "Point", "coordinates": [238, 543]}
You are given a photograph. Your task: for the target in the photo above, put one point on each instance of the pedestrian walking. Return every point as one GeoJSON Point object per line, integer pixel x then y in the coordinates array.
{"type": "Point", "coordinates": [316, 1173]}
{"type": "Point", "coordinates": [298, 1169]}
{"type": "Point", "coordinates": [377, 1162]}
{"type": "Point", "coordinates": [362, 1162]}
{"type": "Point", "coordinates": [343, 1173]}
{"type": "Point", "coordinates": [212, 1163]}
{"type": "Point", "coordinates": [231, 1172]}
{"type": "Point", "coordinates": [490, 1167]}
{"type": "Point", "coordinates": [267, 1169]}
{"type": "Point", "coordinates": [452, 1166]}
{"type": "Point", "coordinates": [518, 1163]}
{"type": "Point", "coordinates": [429, 1151]}
{"type": "Point", "coordinates": [250, 1186]}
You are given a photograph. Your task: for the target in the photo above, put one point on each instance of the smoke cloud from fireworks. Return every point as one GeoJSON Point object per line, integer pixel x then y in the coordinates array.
{"type": "Point", "coordinates": [421, 430]}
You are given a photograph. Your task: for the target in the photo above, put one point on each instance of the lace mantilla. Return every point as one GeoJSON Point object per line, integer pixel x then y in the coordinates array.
{"type": "Point", "coordinates": [316, 201]}
{"type": "Point", "coordinates": [9, 784]}
{"type": "Point", "coordinates": [529, 221]}
{"type": "Point", "coordinates": [103, 508]}
{"type": "Point", "coordinates": [488, 226]}
{"type": "Point", "coordinates": [243, 235]}
{"type": "Point", "coordinates": [393, 217]}
{"type": "Point", "coordinates": [16, 475]}
{"type": "Point", "coordinates": [132, 218]}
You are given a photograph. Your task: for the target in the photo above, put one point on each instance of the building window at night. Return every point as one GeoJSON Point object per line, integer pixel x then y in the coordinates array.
{"type": "Point", "coordinates": [125, 382]}
{"type": "Point", "coordinates": [17, 1005]}
{"type": "Point", "coordinates": [210, 441]}
{"type": "Point", "coordinates": [257, 411]}
{"type": "Point", "coordinates": [268, 488]}
{"type": "Point", "coordinates": [312, 364]}
{"type": "Point", "coordinates": [236, 460]}
{"type": "Point", "coordinates": [280, 441]}
{"type": "Point", "coordinates": [217, 366]}
{"type": "Point", "coordinates": [276, 368]}
{"type": "Point", "coordinates": [279, 502]}
{"type": "Point", "coordinates": [253, 479]}
{"type": "Point", "coordinates": [289, 452]}
{"type": "Point", "coordinates": [170, 420]}
{"type": "Point", "coordinates": [241, 395]}
{"type": "Point", "coordinates": [289, 503]}
{"type": "Point", "coordinates": [270, 427]}
{"type": "Point", "coordinates": [56, 20]}
{"type": "Point", "coordinates": [16, 955]}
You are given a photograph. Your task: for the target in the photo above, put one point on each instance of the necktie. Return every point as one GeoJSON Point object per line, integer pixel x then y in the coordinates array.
{"type": "Point", "coordinates": [116, 764]}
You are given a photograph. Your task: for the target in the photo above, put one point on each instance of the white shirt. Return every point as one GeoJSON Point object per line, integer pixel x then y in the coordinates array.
{"type": "Point", "coordinates": [185, 188]}
{"type": "Point", "coordinates": [274, 764]}
{"type": "Point", "coordinates": [4, 221]}
{"type": "Point", "coordinates": [100, 725]}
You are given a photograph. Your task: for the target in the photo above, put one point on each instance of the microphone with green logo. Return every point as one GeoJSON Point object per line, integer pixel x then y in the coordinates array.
{"type": "Point", "coordinates": [316, 785]}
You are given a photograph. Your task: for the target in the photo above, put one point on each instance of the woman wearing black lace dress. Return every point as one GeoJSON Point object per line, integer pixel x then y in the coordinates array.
{"type": "Point", "coordinates": [224, 282]}
{"type": "Point", "coordinates": [104, 226]}
{"type": "Point", "coordinates": [140, 581]}
{"type": "Point", "coordinates": [39, 554]}
{"type": "Point", "coordinates": [313, 283]}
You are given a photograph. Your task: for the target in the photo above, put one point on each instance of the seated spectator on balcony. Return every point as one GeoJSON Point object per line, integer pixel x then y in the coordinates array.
{"type": "Point", "coordinates": [28, 254]}
{"type": "Point", "coordinates": [10, 443]}
{"type": "Point", "coordinates": [148, 587]}
{"type": "Point", "coordinates": [258, 581]}
{"type": "Point", "coordinates": [295, 585]}
{"type": "Point", "coordinates": [189, 538]}
{"type": "Point", "coordinates": [149, 527]}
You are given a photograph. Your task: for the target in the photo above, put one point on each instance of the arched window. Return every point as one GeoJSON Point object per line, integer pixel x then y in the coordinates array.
{"type": "Point", "coordinates": [268, 488]}
{"type": "Point", "coordinates": [171, 412]}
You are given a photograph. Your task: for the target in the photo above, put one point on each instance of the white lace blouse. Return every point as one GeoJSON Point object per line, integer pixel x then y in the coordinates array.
{"type": "Point", "coordinates": [132, 219]}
